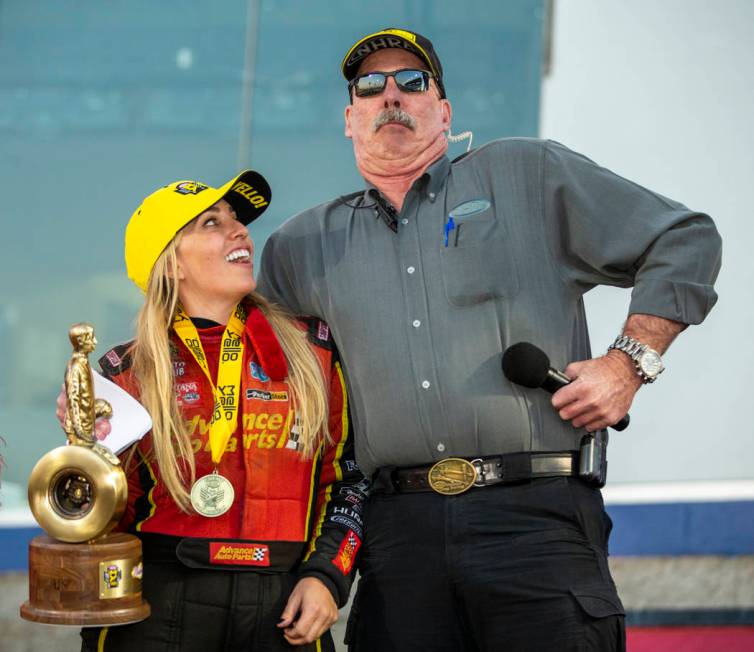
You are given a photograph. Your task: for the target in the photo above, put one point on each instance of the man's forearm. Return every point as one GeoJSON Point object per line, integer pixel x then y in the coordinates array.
{"type": "Point", "coordinates": [656, 332]}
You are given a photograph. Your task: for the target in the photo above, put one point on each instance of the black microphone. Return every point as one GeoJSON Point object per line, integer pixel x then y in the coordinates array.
{"type": "Point", "coordinates": [528, 365]}
{"type": "Point", "coordinates": [384, 209]}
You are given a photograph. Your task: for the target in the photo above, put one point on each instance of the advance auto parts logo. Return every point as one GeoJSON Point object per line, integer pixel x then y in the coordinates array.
{"type": "Point", "coordinates": [190, 187]}
{"type": "Point", "coordinates": [244, 554]}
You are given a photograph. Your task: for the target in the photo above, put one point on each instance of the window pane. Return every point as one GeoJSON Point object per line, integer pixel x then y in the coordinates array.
{"type": "Point", "coordinates": [103, 102]}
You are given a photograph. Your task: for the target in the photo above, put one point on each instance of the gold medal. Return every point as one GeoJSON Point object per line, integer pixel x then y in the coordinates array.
{"type": "Point", "coordinates": [212, 495]}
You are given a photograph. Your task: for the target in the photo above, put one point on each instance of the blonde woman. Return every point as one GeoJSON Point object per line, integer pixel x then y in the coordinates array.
{"type": "Point", "coordinates": [245, 493]}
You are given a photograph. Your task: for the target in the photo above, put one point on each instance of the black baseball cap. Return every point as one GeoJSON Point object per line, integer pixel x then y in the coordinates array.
{"type": "Point", "coordinates": [392, 37]}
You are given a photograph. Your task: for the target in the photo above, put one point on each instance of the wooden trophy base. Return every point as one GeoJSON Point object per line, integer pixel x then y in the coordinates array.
{"type": "Point", "coordinates": [88, 584]}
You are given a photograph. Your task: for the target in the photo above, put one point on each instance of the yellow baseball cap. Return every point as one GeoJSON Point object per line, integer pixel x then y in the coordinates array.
{"type": "Point", "coordinates": [167, 210]}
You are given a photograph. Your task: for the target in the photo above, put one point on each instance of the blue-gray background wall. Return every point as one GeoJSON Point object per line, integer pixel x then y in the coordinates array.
{"type": "Point", "coordinates": [103, 102]}
{"type": "Point", "coordinates": [100, 103]}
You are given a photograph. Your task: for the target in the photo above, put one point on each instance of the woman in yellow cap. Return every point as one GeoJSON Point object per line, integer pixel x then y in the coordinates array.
{"type": "Point", "coordinates": [245, 493]}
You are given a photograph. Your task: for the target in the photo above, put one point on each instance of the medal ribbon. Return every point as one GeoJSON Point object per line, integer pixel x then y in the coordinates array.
{"type": "Point", "coordinates": [227, 390]}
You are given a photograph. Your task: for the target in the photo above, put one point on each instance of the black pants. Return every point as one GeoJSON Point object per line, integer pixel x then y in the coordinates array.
{"type": "Point", "coordinates": [205, 611]}
{"type": "Point", "coordinates": [500, 568]}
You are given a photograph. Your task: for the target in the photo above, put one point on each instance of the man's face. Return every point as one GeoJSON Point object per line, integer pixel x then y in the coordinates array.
{"type": "Point", "coordinates": [377, 124]}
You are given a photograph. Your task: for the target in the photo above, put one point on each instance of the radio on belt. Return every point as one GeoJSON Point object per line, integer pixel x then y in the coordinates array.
{"type": "Point", "coordinates": [593, 458]}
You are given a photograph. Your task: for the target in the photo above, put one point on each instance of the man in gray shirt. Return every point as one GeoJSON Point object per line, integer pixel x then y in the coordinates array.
{"type": "Point", "coordinates": [425, 278]}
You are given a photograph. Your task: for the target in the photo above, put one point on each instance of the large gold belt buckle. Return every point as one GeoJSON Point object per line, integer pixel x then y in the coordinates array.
{"type": "Point", "coordinates": [452, 476]}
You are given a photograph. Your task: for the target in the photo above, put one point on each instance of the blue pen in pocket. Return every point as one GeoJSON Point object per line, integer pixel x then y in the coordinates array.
{"type": "Point", "coordinates": [449, 226]}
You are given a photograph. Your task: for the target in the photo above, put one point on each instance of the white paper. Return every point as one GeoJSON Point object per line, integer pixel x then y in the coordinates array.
{"type": "Point", "coordinates": [130, 421]}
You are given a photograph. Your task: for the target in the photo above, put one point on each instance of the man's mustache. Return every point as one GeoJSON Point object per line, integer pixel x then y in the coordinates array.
{"type": "Point", "coordinates": [394, 115]}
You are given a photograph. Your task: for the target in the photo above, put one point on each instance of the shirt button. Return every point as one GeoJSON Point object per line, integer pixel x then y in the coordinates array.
{"type": "Point", "coordinates": [404, 221]}
{"type": "Point", "coordinates": [441, 447]}
{"type": "Point", "coordinates": [425, 384]}
{"type": "Point", "coordinates": [410, 270]}
{"type": "Point", "coordinates": [416, 323]}
{"type": "Point", "coordinates": [431, 196]}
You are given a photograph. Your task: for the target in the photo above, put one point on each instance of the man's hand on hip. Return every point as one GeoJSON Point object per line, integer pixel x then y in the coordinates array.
{"type": "Point", "coordinates": [601, 391]}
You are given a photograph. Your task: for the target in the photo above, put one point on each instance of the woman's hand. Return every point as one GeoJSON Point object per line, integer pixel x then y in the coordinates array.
{"type": "Point", "coordinates": [309, 613]}
{"type": "Point", "coordinates": [102, 426]}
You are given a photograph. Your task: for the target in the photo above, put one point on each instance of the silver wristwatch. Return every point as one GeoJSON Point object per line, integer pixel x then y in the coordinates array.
{"type": "Point", "coordinates": [648, 362]}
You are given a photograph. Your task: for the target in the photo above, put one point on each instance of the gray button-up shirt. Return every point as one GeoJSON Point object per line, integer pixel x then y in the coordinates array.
{"type": "Point", "coordinates": [422, 320]}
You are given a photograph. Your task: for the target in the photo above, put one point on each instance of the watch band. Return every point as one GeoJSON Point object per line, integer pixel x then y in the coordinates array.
{"type": "Point", "coordinates": [636, 350]}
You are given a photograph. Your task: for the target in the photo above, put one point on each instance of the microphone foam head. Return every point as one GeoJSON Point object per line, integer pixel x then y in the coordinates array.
{"type": "Point", "coordinates": [525, 364]}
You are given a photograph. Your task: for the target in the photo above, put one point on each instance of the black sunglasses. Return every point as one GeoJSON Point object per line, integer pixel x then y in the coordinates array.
{"type": "Point", "coordinates": [373, 83]}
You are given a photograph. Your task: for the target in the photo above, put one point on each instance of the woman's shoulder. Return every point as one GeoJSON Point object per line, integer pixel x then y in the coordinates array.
{"type": "Point", "coordinates": [117, 360]}
{"type": "Point", "coordinates": [318, 332]}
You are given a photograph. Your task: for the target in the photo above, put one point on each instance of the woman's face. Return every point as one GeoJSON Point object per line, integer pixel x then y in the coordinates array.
{"type": "Point", "coordinates": [215, 258]}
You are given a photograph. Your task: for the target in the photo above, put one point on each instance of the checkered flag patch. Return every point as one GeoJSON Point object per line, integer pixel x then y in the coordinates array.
{"type": "Point", "coordinates": [345, 557]}
{"type": "Point", "coordinates": [258, 554]}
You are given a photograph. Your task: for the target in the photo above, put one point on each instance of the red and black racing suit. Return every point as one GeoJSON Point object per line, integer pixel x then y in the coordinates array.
{"type": "Point", "coordinates": [222, 583]}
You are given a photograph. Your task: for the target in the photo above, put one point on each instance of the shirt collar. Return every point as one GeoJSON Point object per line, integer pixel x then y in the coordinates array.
{"type": "Point", "coordinates": [431, 181]}
{"type": "Point", "coordinates": [436, 174]}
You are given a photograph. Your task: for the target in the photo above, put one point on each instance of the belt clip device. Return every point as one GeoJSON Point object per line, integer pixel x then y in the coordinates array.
{"type": "Point", "coordinates": [593, 458]}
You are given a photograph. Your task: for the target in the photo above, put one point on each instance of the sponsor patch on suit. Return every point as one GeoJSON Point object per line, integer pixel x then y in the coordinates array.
{"type": "Point", "coordinates": [262, 395]}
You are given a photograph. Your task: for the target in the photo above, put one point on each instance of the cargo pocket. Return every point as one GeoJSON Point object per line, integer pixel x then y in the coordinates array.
{"type": "Point", "coordinates": [604, 616]}
{"type": "Point", "coordinates": [598, 604]}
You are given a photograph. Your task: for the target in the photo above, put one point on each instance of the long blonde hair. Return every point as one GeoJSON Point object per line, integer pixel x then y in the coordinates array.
{"type": "Point", "coordinates": [153, 368]}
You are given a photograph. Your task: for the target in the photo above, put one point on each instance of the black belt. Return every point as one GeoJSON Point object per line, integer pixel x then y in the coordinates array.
{"type": "Point", "coordinates": [222, 554]}
{"type": "Point", "coordinates": [455, 475]}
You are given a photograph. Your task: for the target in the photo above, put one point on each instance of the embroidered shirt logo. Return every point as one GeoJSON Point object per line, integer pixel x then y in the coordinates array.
{"type": "Point", "coordinates": [469, 208]}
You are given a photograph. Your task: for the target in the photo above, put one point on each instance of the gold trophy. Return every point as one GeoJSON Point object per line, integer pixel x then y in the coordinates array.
{"type": "Point", "coordinates": [79, 574]}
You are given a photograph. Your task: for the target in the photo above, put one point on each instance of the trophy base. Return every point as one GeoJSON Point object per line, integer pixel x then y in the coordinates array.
{"type": "Point", "coordinates": [86, 584]}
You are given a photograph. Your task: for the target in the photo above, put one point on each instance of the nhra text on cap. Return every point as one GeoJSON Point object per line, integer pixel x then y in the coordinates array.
{"type": "Point", "coordinates": [167, 210]}
{"type": "Point", "coordinates": [392, 37]}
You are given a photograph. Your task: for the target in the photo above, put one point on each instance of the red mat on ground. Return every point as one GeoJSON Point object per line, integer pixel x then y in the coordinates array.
{"type": "Point", "coordinates": [690, 639]}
